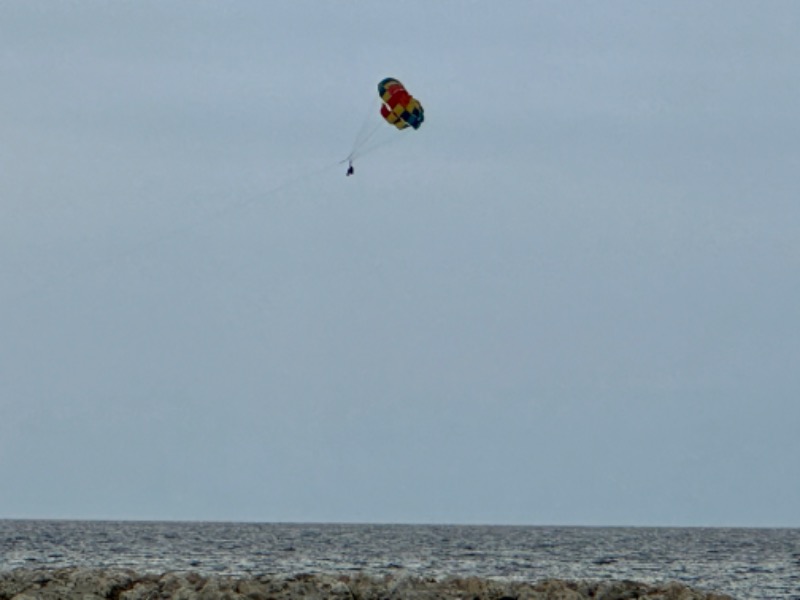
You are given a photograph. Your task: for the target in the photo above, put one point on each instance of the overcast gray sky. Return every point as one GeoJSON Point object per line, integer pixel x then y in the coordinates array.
{"type": "Point", "coordinates": [572, 297]}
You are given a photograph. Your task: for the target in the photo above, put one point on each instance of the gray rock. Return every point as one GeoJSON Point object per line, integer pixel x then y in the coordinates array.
{"type": "Point", "coordinates": [120, 584]}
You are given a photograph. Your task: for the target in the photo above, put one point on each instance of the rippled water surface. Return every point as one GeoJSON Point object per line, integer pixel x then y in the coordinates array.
{"type": "Point", "coordinates": [746, 563]}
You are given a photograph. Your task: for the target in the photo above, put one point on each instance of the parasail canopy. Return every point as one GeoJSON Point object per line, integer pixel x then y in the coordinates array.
{"type": "Point", "coordinates": [399, 107]}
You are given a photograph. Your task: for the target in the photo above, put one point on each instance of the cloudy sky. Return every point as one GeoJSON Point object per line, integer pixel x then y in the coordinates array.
{"type": "Point", "coordinates": [572, 297]}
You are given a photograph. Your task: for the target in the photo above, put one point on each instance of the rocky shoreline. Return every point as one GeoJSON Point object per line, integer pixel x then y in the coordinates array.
{"type": "Point", "coordinates": [123, 584]}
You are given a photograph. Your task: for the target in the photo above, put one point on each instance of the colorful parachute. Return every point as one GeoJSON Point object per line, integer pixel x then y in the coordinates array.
{"type": "Point", "coordinates": [399, 108]}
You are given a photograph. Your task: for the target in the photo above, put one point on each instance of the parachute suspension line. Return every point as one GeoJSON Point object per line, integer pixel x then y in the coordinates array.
{"type": "Point", "coordinates": [369, 126]}
{"type": "Point", "coordinates": [380, 142]}
{"type": "Point", "coordinates": [358, 149]}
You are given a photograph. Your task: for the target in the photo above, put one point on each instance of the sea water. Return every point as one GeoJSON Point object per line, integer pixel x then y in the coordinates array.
{"type": "Point", "coordinates": [758, 564]}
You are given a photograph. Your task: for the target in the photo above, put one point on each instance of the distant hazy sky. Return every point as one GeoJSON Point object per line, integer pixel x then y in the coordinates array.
{"type": "Point", "coordinates": [572, 297]}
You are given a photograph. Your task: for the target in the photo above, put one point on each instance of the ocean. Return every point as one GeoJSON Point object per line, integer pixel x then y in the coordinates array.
{"type": "Point", "coordinates": [748, 564]}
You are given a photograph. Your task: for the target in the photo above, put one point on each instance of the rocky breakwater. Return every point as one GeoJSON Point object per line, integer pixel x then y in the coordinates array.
{"type": "Point", "coordinates": [121, 584]}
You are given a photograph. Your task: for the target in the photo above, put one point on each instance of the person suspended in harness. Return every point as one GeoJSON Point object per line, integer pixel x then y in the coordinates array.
{"type": "Point", "coordinates": [350, 169]}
